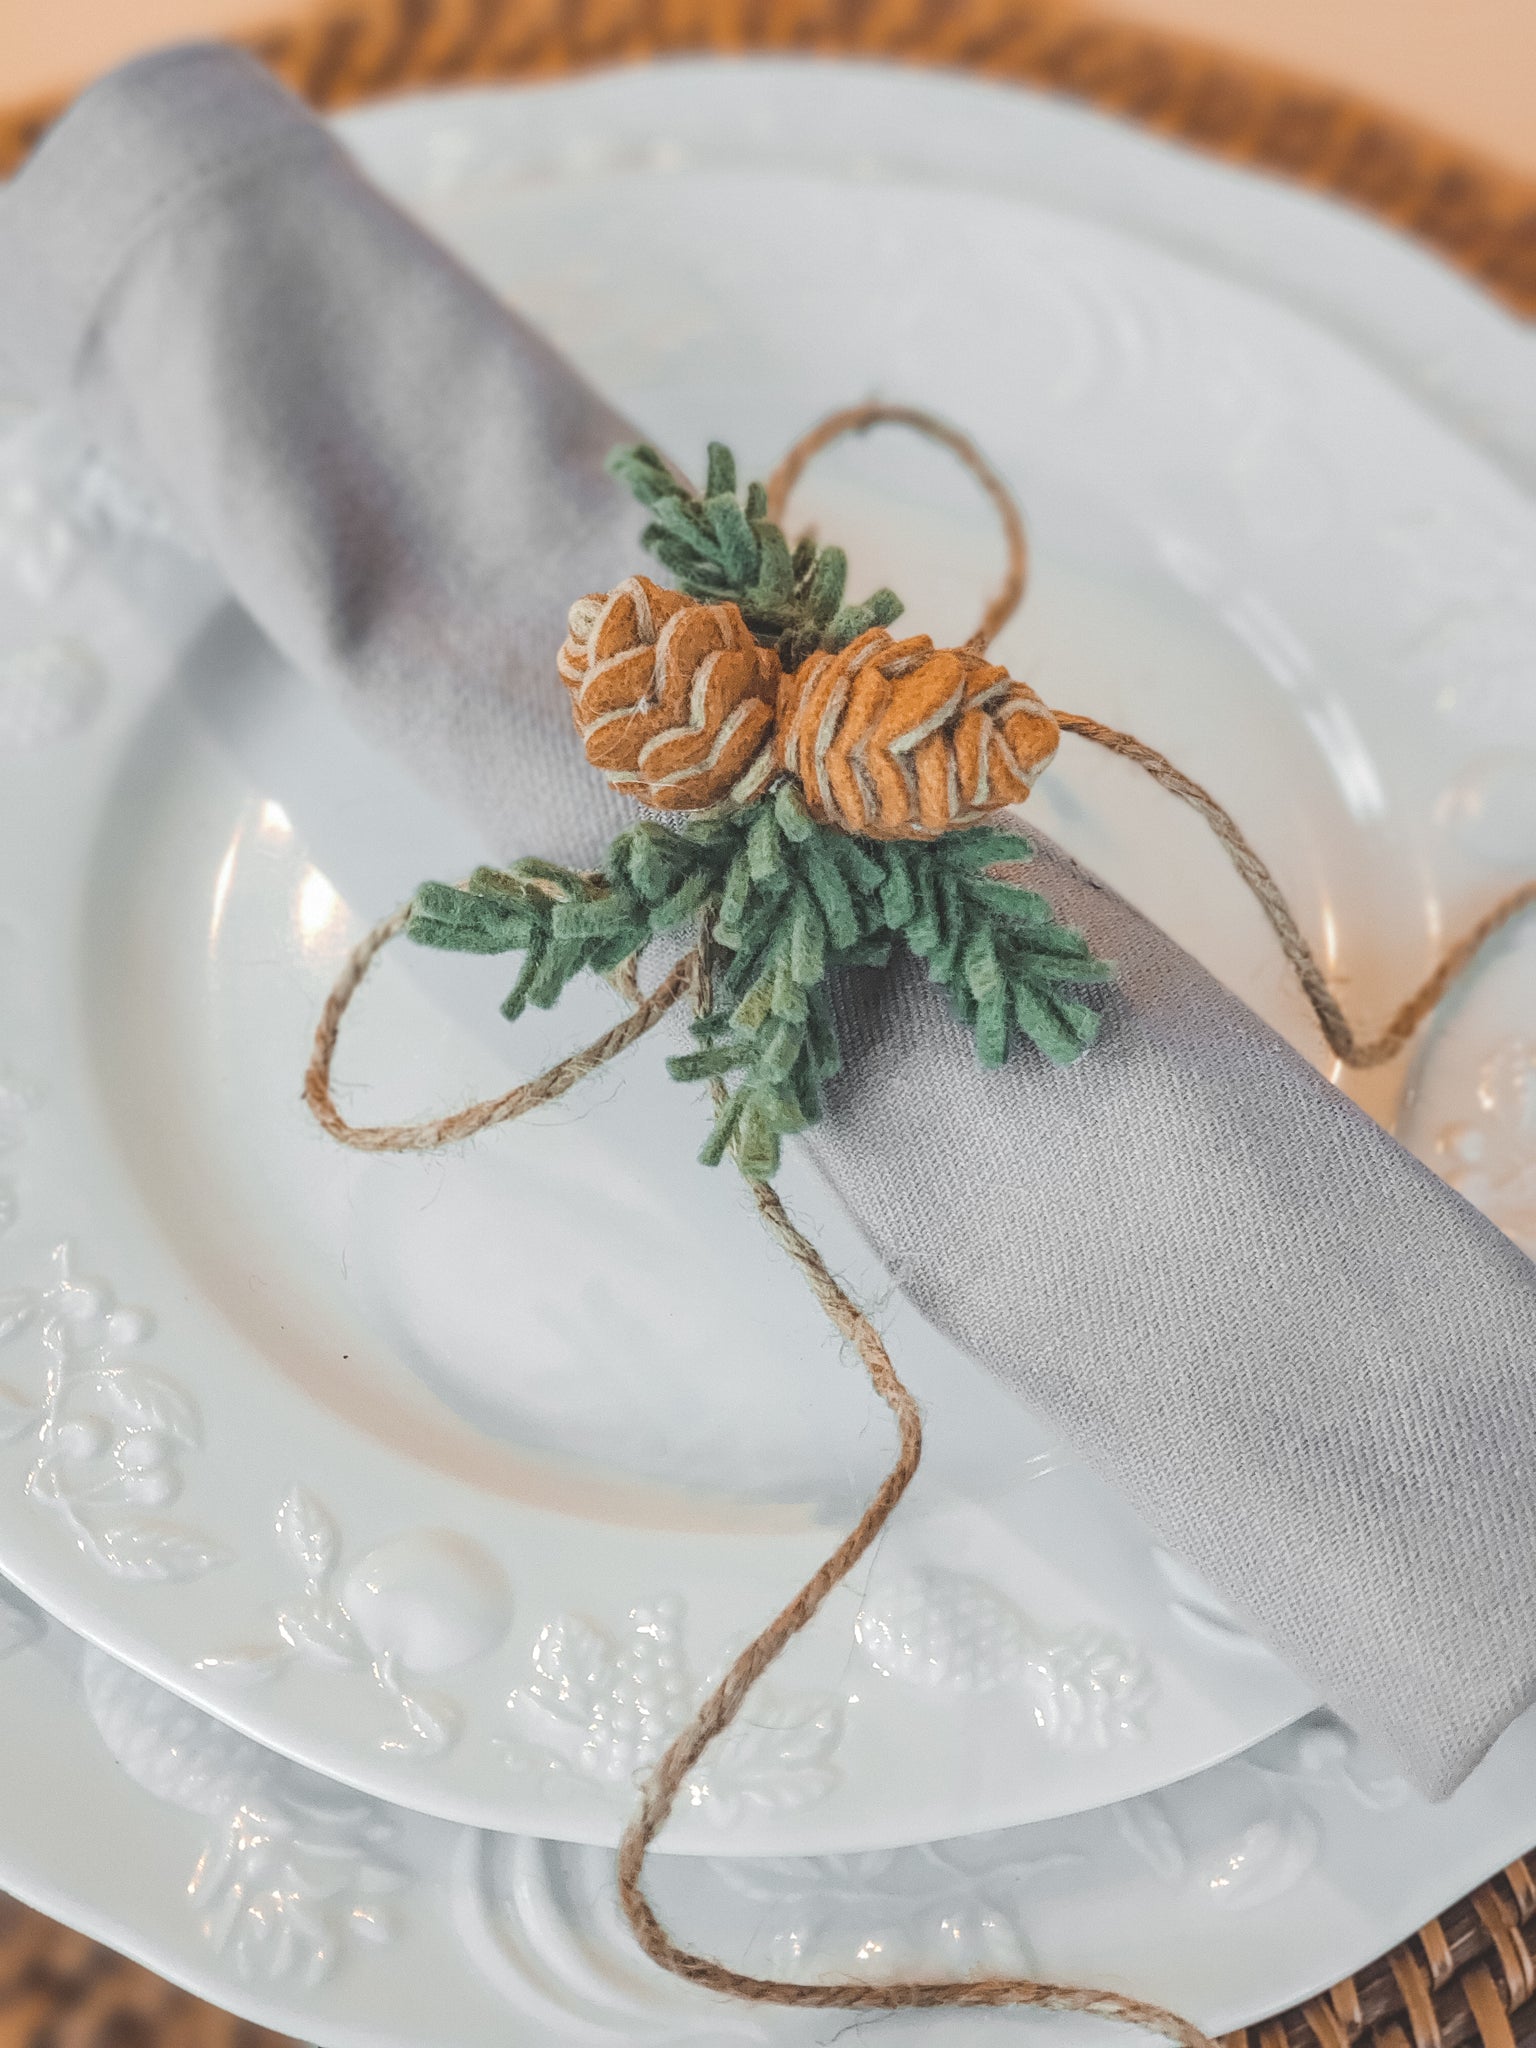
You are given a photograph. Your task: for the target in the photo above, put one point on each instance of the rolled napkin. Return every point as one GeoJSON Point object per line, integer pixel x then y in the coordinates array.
{"type": "Point", "coordinates": [1309, 1364]}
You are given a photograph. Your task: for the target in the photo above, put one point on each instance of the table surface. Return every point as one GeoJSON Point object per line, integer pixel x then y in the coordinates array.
{"type": "Point", "coordinates": [1464, 67]}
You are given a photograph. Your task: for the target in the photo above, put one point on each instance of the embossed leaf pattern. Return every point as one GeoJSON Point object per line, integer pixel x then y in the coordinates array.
{"type": "Point", "coordinates": [175, 1751]}
{"type": "Point", "coordinates": [608, 1707]}
{"type": "Point", "coordinates": [150, 1400]}
{"type": "Point", "coordinates": [323, 1629]}
{"type": "Point", "coordinates": [149, 1547]}
{"type": "Point", "coordinates": [942, 1909]}
{"type": "Point", "coordinates": [293, 1867]}
{"type": "Point", "coordinates": [573, 1667]}
{"type": "Point", "coordinates": [1089, 1692]}
{"type": "Point", "coordinates": [109, 1429]}
{"type": "Point", "coordinates": [17, 1309]}
{"type": "Point", "coordinates": [617, 1705]}
{"type": "Point", "coordinates": [432, 1720]}
{"type": "Point", "coordinates": [777, 1757]}
{"type": "Point", "coordinates": [279, 1906]}
{"type": "Point", "coordinates": [377, 1639]}
{"type": "Point", "coordinates": [307, 1533]}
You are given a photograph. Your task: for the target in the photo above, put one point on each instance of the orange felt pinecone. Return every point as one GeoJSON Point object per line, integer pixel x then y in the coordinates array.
{"type": "Point", "coordinates": [674, 700]}
{"type": "Point", "coordinates": [898, 739]}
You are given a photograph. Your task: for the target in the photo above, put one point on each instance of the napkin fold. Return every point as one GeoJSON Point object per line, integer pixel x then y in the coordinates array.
{"type": "Point", "coordinates": [1309, 1364]}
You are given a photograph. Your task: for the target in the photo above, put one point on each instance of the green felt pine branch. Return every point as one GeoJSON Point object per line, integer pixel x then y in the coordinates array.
{"type": "Point", "coordinates": [718, 548]}
{"type": "Point", "coordinates": [799, 900]}
{"type": "Point", "coordinates": [564, 922]}
{"type": "Point", "coordinates": [999, 951]}
{"type": "Point", "coordinates": [786, 903]}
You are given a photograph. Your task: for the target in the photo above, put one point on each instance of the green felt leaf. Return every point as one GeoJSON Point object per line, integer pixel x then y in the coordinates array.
{"type": "Point", "coordinates": [722, 546]}
{"type": "Point", "coordinates": [789, 904]}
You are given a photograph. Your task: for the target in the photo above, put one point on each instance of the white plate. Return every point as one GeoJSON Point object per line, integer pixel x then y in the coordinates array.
{"type": "Point", "coordinates": [1196, 463]}
{"type": "Point", "coordinates": [332, 1915]}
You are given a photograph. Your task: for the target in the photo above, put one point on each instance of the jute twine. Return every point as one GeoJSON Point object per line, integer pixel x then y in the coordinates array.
{"type": "Point", "coordinates": [691, 977]}
{"type": "Point", "coordinates": [858, 419]}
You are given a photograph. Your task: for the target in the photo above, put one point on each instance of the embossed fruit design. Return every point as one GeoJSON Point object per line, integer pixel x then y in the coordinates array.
{"type": "Point", "coordinates": [430, 1601]}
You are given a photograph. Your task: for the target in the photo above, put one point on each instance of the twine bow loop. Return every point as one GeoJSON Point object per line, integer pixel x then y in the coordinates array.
{"type": "Point", "coordinates": [832, 782]}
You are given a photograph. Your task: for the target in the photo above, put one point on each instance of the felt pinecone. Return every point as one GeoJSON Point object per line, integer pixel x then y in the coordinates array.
{"type": "Point", "coordinates": [898, 739]}
{"type": "Point", "coordinates": [674, 700]}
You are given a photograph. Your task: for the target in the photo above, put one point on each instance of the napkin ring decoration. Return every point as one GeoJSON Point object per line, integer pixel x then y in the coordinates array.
{"type": "Point", "coordinates": [823, 791]}
{"type": "Point", "coordinates": [821, 795]}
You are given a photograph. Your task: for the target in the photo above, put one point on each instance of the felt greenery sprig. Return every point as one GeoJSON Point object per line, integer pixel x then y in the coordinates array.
{"type": "Point", "coordinates": [787, 903]}
{"type": "Point", "coordinates": [721, 550]}
{"type": "Point", "coordinates": [828, 785]}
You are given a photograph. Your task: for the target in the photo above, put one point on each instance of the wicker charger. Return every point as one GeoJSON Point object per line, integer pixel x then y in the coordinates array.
{"type": "Point", "coordinates": [1468, 1975]}
{"type": "Point", "coordinates": [58, 1990]}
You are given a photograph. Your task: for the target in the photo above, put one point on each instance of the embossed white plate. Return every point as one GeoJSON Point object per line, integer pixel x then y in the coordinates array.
{"type": "Point", "coordinates": [430, 1472]}
{"type": "Point", "coordinates": [335, 1916]}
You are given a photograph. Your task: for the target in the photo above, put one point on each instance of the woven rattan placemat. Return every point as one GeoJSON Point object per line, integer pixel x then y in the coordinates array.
{"type": "Point", "coordinates": [1464, 1978]}
{"type": "Point", "coordinates": [1469, 1975]}
{"type": "Point", "coordinates": [58, 1990]}
{"type": "Point", "coordinates": [1472, 209]}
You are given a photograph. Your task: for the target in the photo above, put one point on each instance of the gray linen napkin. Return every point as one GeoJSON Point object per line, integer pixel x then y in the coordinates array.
{"type": "Point", "coordinates": [1310, 1365]}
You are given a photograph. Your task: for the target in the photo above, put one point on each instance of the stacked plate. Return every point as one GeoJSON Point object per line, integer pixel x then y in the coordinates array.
{"type": "Point", "coordinates": [376, 1522]}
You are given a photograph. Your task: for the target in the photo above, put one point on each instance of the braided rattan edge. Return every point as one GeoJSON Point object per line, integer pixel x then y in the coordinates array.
{"type": "Point", "coordinates": [1467, 1977]}
{"type": "Point", "coordinates": [1477, 213]}
{"type": "Point", "coordinates": [1465, 1980]}
{"type": "Point", "coordinates": [60, 1990]}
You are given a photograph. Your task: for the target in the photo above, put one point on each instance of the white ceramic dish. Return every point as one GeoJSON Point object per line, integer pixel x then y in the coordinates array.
{"type": "Point", "coordinates": [334, 1916]}
{"type": "Point", "coordinates": [62, 1802]}
{"type": "Point", "coordinates": [1196, 462]}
